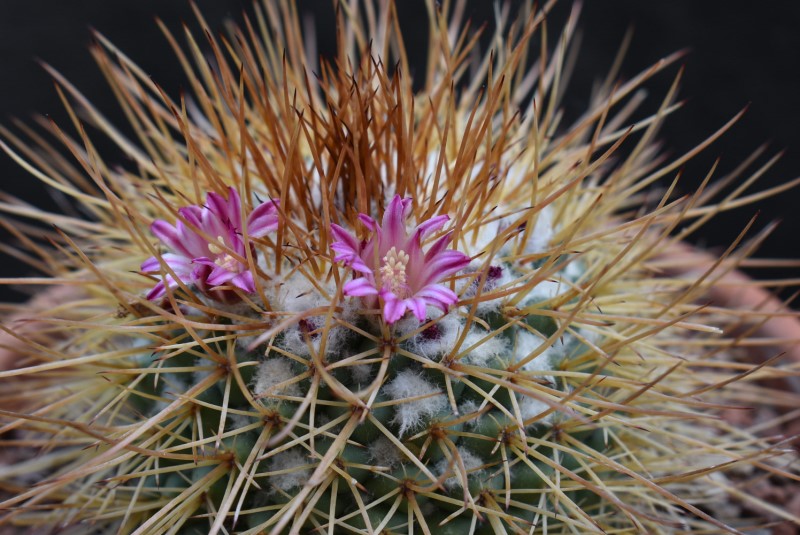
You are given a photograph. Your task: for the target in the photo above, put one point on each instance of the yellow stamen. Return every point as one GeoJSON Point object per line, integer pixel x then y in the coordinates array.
{"type": "Point", "coordinates": [223, 260]}
{"type": "Point", "coordinates": [393, 272]}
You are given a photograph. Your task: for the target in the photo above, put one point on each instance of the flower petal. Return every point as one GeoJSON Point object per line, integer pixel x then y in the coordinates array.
{"type": "Point", "coordinates": [359, 287]}
{"type": "Point", "coordinates": [228, 211]}
{"type": "Point", "coordinates": [354, 262]}
{"type": "Point", "coordinates": [370, 223]}
{"type": "Point", "coordinates": [437, 295]}
{"type": "Point", "coordinates": [244, 281]}
{"type": "Point", "coordinates": [417, 306]}
{"type": "Point", "coordinates": [394, 222]}
{"type": "Point", "coordinates": [444, 265]}
{"type": "Point", "coordinates": [169, 236]}
{"type": "Point", "coordinates": [438, 246]}
{"type": "Point", "coordinates": [158, 291]}
{"type": "Point", "coordinates": [263, 220]}
{"type": "Point", "coordinates": [219, 276]}
{"type": "Point", "coordinates": [393, 308]}
{"type": "Point", "coordinates": [150, 265]}
{"type": "Point", "coordinates": [234, 208]}
{"type": "Point", "coordinates": [191, 241]}
{"type": "Point", "coordinates": [192, 214]}
{"type": "Point", "coordinates": [344, 240]}
{"type": "Point", "coordinates": [431, 225]}
{"type": "Point", "coordinates": [177, 263]}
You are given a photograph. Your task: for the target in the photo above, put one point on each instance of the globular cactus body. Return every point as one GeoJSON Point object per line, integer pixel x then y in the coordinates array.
{"type": "Point", "coordinates": [373, 310]}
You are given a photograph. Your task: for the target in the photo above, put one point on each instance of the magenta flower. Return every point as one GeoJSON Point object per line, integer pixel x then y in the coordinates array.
{"type": "Point", "coordinates": [394, 266]}
{"type": "Point", "coordinates": [207, 245]}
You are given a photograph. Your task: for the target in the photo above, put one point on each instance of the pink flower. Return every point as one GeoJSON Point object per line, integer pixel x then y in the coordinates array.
{"type": "Point", "coordinates": [207, 246]}
{"type": "Point", "coordinates": [394, 266]}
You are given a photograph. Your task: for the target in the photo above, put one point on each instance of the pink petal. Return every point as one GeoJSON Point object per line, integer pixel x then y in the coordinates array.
{"type": "Point", "coordinates": [417, 306]}
{"type": "Point", "coordinates": [444, 265]}
{"type": "Point", "coordinates": [217, 204]}
{"type": "Point", "coordinates": [348, 249]}
{"type": "Point", "coordinates": [158, 291]}
{"type": "Point", "coordinates": [220, 276]}
{"type": "Point", "coordinates": [213, 225]}
{"type": "Point", "coordinates": [431, 225]}
{"type": "Point", "coordinates": [234, 242]}
{"type": "Point", "coordinates": [359, 287]}
{"type": "Point", "coordinates": [244, 281]}
{"type": "Point", "coordinates": [205, 261]}
{"type": "Point", "coordinates": [369, 223]}
{"type": "Point", "coordinates": [346, 241]}
{"type": "Point", "coordinates": [150, 265]}
{"type": "Point", "coordinates": [192, 214]}
{"type": "Point", "coordinates": [438, 246]}
{"type": "Point", "coordinates": [169, 236]}
{"type": "Point", "coordinates": [436, 293]}
{"type": "Point", "coordinates": [234, 208]}
{"type": "Point", "coordinates": [192, 242]}
{"type": "Point", "coordinates": [353, 261]}
{"type": "Point", "coordinates": [201, 271]}
{"type": "Point", "coordinates": [177, 263]}
{"type": "Point", "coordinates": [184, 274]}
{"type": "Point", "coordinates": [227, 211]}
{"type": "Point", "coordinates": [393, 308]}
{"type": "Point", "coordinates": [263, 219]}
{"type": "Point", "coordinates": [394, 218]}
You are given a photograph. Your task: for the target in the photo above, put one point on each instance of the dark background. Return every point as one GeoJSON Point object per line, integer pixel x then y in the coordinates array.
{"type": "Point", "coordinates": [739, 54]}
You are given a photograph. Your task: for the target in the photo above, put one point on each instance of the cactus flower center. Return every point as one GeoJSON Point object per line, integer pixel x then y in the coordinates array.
{"type": "Point", "coordinates": [223, 259]}
{"type": "Point", "coordinates": [394, 266]}
{"type": "Point", "coordinates": [393, 272]}
{"type": "Point", "coordinates": [195, 258]}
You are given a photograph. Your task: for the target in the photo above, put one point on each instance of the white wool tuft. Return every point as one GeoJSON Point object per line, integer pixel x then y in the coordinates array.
{"type": "Point", "coordinates": [411, 415]}
{"type": "Point", "coordinates": [200, 375]}
{"type": "Point", "coordinates": [383, 452]}
{"type": "Point", "coordinates": [409, 323]}
{"type": "Point", "coordinates": [238, 421]}
{"type": "Point", "coordinates": [574, 270]}
{"type": "Point", "coordinates": [449, 329]}
{"type": "Point", "coordinates": [472, 463]}
{"type": "Point", "coordinates": [297, 343]}
{"type": "Point", "coordinates": [272, 372]}
{"type": "Point", "coordinates": [467, 287]}
{"type": "Point", "coordinates": [530, 408]}
{"type": "Point", "coordinates": [543, 231]}
{"type": "Point", "coordinates": [361, 373]}
{"type": "Point", "coordinates": [468, 407]}
{"type": "Point", "coordinates": [526, 343]}
{"type": "Point", "coordinates": [297, 294]}
{"type": "Point", "coordinates": [485, 352]}
{"type": "Point", "coordinates": [545, 290]}
{"type": "Point", "coordinates": [479, 240]}
{"type": "Point", "coordinates": [289, 463]}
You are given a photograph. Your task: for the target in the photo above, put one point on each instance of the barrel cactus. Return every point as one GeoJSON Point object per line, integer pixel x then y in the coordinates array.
{"type": "Point", "coordinates": [342, 299]}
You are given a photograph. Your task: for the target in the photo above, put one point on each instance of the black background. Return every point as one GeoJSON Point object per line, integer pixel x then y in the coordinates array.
{"type": "Point", "coordinates": [739, 54]}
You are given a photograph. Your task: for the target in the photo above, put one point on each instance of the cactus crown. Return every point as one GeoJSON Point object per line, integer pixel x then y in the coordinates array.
{"type": "Point", "coordinates": [331, 303]}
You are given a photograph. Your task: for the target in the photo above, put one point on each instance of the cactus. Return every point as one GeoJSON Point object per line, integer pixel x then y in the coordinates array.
{"type": "Point", "coordinates": [333, 304]}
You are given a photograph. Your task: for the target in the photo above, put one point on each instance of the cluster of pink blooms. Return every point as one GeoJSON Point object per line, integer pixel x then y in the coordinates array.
{"type": "Point", "coordinates": [393, 265]}
{"type": "Point", "coordinates": [208, 250]}
{"type": "Point", "coordinates": [208, 247]}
